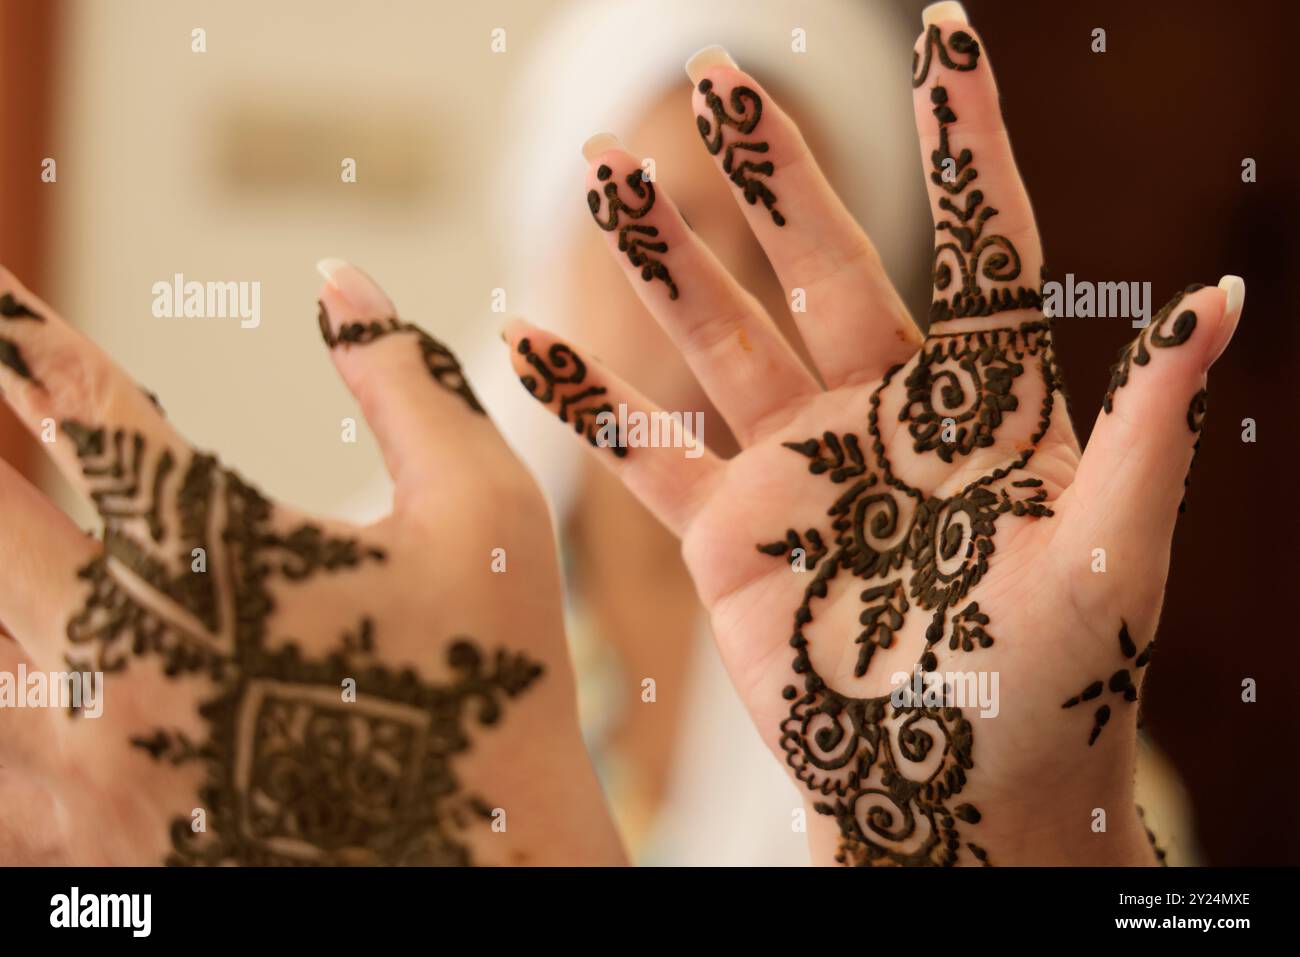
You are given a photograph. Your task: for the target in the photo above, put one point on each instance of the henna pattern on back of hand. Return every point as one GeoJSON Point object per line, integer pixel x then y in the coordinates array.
{"type": "Point", "coordinates": [634, 238]}
{"type": "Point", "coordinates": [748, 175]}
{"type": "Point", "coordinates": [562, 374]}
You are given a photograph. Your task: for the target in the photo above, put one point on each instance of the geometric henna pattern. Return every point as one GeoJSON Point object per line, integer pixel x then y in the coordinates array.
{"type": "Point", "coordinates": [438, 359]}
{"type": "Point", "coordinates": [892, 776]}
{"type": "Point", "coordinates": [297, 776]}
{"type": "Point", "coordinates": [1159, 333]}
{"type": "Point", "coordinates": [970, 254]}
{"type": "Point", "coordinates": [749, 176]}
{"type": "Point", "coordinates": [632, 236]}
{"type": "Point", "coordinates": [294, 775]}
{"type": "Point", "coordinates": [1120, 683]}
{"type": "Point", "coordinates": [561, 372]}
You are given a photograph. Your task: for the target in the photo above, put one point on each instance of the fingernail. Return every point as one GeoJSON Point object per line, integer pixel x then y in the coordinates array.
{"type": "Point", "coordinates": [1235, 287]}
{"type": "Point", "coordinates": [601, 143]}
{"type": "Point", "coordinates": [947, 10]}
{"type": "Point", "coordinates": [507, 325]}
{"type": "Point", "coordinates": [706, 60]}
{"type": "Point", "coordinates": [361, 294]}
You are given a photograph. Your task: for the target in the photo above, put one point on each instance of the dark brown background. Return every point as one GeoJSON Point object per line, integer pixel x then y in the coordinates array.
{"type": "Point", "coordinates": [1133, 158]}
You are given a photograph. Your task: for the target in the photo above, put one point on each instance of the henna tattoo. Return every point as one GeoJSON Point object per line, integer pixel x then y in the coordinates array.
{"type": "Point", "coordinates": [438, 359]}
{"type": "Point", "coordinates": [636, 240]}
{"type": "Point", "coordinates": [11, 356]}
{"type": "Point", "coordinates": [1151, 838]}
{"type": "Point", "coordinates": [295, 775]}
{"type": "Point", "coordinates": [1155, 335]}
{"type": "Point", "coordinates": [1120, 683]}
{"type": "Point", "coordinates": [204, 614]}
{"type": "Point", "coordinates": [843, 460]}
{"type": "Point", "coordinates": [749, 176]}
{"type": "Point", "coordinates": [562, 373]}
{"type": "Point", "coordinates": [971, 252]}
{"type": "Point", "coordinates": [1196, 410]}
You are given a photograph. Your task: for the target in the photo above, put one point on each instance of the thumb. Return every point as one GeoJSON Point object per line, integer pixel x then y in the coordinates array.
{"type": "Point", "coordinates": [412, 391]}
{"type": "Point", "coordinates": [1132, 478]}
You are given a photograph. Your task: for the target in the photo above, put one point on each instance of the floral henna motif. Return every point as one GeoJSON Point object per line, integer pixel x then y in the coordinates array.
{"type": "Point", "coordinates": [971, 253]}
{"type": "Point", "coordinates": [1120, 683]}
{"type": "Point", "coordinates": [562, 373]}
{"type": "Point", "coordinates": [635, 239]}
{"type": "Point", "coordinates": [749, 176]}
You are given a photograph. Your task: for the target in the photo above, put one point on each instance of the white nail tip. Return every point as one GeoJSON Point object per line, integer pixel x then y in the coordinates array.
{"type": "Point", "coordinates": [600, 143]}
{"type": "Point", "coordinates": [1235, 287]}
{"type": "Point", "coordinates": [329, 266]}
{"type": "Point", "coordinates": [947, 10]}
{"type": "Point", "coordinates": [705, 60]}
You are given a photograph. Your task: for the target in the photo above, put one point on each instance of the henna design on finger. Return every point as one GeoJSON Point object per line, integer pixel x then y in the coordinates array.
{"type": "Point", "coordinates": [11, 356]}
{"type": "Point", "coordinates": [1151, 838]}
{"type": "Point", "coordinates": [746, 173]}
{"type": "Point", "coordinates": [1159, 333]}
{"type": "Point", "coordinates": [438, 359]}
{"type": "Point", "coordinates": [959, 42]}
{"type": "Point", "coordinates": [562, 373]}
{"type": "Point", "coordinates": [974, 254]}
{"type": "Point", "coordinates": [1196, 410]}
{"type": "Point", "coordinates": [295, 775]}
{"type": "Point", "coordinates": [636, 240]}
{"type": "Point", "coordinates": [1120, 683]}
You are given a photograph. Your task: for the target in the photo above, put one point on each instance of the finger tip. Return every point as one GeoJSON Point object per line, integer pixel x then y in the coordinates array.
{"type": "Point", "coordinates": [599, 144]}
{"type": "Point", "coordinates": [702, 61]}
{"type": "Point", "coordinates": [946, 11]}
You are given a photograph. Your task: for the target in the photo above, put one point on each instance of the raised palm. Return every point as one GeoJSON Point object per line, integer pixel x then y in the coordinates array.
{"type": "Point", "coordinates": [919, 510]}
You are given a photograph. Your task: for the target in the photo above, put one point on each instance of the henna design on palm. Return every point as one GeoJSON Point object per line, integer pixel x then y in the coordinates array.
{"type": "Point", "coordinates": [749, 176]}
{"type": "Point", "coordinates": [1120, 683]}
{"type": "Point", "coordinates": [634, 238]}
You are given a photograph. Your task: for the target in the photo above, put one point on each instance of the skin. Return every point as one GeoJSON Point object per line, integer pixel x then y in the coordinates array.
{"type": "Point", "coordinates": [1033, 777]}
{"type": "Point", "coordinates": [87, 795]}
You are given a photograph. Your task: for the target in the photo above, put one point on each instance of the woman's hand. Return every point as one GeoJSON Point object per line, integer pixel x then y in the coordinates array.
{"type": "Point", "coordinates": [281, 689]}
{"type": "Point", "coordinates": [921, 513]}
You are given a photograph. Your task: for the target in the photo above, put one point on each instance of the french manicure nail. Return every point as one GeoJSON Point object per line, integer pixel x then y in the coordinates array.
{"type": "Point", "coordinates": [361, 293]}
{"type": "Point", "coordinates": [1235, 287]}
{"type": "Point", "coordinates": [705, 60]}
{"type": "Point", "coordinates": [600, 143]}
{"type": "Point", "coordinates": [946, 10]}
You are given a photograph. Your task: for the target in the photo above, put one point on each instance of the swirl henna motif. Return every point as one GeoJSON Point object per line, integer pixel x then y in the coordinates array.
{"type": "Point", "coordinates": [563, 374]}
{"type": "Point", "coordinates": [747, 174]}
{"type": "Point", "coordinates": [632, 237]}
{"type": "Point", "coordinates": [971, 254]}
{"type": "Point", "coordinates": [1159, 333]}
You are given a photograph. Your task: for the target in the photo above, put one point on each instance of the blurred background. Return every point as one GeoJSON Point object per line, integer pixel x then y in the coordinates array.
{"type": "Point", "coordinates": [465, 123]}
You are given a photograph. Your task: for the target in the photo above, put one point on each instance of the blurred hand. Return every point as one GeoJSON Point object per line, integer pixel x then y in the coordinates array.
{"type": "Point", "coordinates": [282, 689]}
{"type": "Point", "coordinates": [920, 512]}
